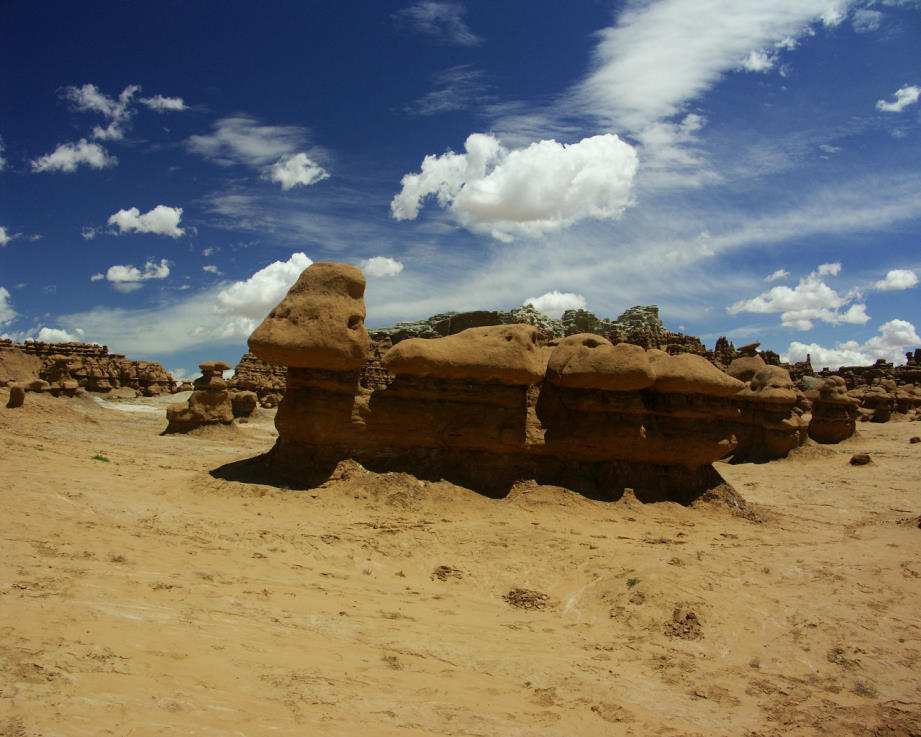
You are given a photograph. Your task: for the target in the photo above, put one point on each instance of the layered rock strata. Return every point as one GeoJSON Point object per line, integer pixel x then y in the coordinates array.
{"type": "Point", "coordinates": [771, 419]}
{"type": "Point", "coordinates": [92, 367]}
{"type": "Point", "coordinates": [209, 405]}
{"type": "Point", "coordinates": [489, 405]}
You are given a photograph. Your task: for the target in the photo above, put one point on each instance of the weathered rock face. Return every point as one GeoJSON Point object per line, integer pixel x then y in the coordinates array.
{"type": "Point", "coordinates": [209, 404]}
{"type": "Point", "coordinates": [834, 413]}
{"type": "Point", "coordinates": [320, 324]}
{"type": "Point", "coordinates": [92, 367]}
{"type": "Point", "coordinates": [771, 421]}
{"type": "Point", "coordinates": [243, 404]}
{"type": "Point", "coordinates": [475, 407]}
{"type": "Point", "coordinates": [507, 354]}
{"type": "Point", "coordinates": [265, 380]}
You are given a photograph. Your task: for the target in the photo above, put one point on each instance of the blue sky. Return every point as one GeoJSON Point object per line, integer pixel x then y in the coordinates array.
{"type": "Point", "coordinates": [168, 169]}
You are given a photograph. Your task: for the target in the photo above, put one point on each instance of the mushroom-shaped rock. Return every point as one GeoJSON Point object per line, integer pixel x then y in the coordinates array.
{"type": "Point", "coordinates": [688, 373]}
{"type": "Point", "coordinates": [506, 354]}
{"type": "Point", "coordinates": [771, 384]}
{"type": "Point", "coordinates": [319, 324]}
{"type": "Point", "coordinates": [834, 413]}
{"type": "Point", "coordinates": [745, 367]}
{"type": "Point", "coordinates": [587, 361]}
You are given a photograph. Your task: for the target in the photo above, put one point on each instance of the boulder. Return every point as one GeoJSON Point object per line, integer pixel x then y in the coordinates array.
{"type": "Point", "coordinates": [687, 373]}
{"type": "Point", "coordinates": [17, 396]}
{"type": "Point", "coordinates": [504, 354]}
{"type": "Point", "coordinates": [744, 368]}
{"type": "Point", "coordinates": [319, 324]}
{"type": "Point", "coordinates": [243, 403]}
{"type": "Point", "coordinates": [587, 361]}
{"type": "Point", "coordinates": [834, 413]}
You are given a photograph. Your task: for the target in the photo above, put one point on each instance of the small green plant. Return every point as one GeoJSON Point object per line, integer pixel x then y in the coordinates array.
{"type": "Point", "coordinates": [527, 684]}
{"type": "Point", "coordinates": [117, 558]}
{"type": "Point", "coordinates": [99, 457]}
{"type": "Point", "coordinates": [392, 661]}
{"type": "Point", "coordinates": [400, 574]}
{"type": "Point", "coordinates": [631, 582]}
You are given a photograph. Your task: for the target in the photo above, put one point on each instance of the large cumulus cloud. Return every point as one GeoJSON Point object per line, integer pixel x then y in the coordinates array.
{"type": "Point", "coordinates": [529, 191]}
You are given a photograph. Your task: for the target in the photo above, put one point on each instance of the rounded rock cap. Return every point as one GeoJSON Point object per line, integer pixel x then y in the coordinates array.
{"type": "Point", "coordinates": [506, 354]}
{"type": "Point", "coordinates": [688, 373]}
{"type": "Point", "coordinates": [588, 361]}
{"type": "Point", "coordinates": [320, 324]}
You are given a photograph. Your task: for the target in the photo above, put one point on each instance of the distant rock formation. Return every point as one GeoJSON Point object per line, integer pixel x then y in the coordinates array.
{"type": "Point", "coordinates": [488, 404]}
{"type": "Point", "coordinates": [770, 422]}
{"type": "Point", "coordinates": [571, 323]}
{"type": "Point", "coordinates": [266, 380]}
{"type": "Point", "coordinates": [209, 405]}
{"type": "Point", "coordinates": [834, 413]}
{"type": "Point", "coordinates": [68, 366]}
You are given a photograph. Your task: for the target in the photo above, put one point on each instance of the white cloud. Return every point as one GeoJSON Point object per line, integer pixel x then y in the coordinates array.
{"type": "Point", "coordinates": [244, 304]}
{"type": "Point", "coordinates": [162, 104]}
{"type": "Point", "coordinates": [811, 299]}
{"type": "Point", "coordinates": [162, 220]}
{"type": "Point", "coordinates": [293, 170]}
{"type": "Point", "coordinates": [241, 139]}
{"type": "Point", "coordinates": [555, 303]}
{"type": "Point", "coordinates": [904, 96]}
{"type": "Point", "coordinates": [97, 277]}
{"type": "Point", "coordinates": [68, 156]}
{"type": "Point", "coordinates": [894, 338]}
{"type": "Point", "coordinates": [442, 19]}
{"type": "Point", "coordinates": [2, 160]}
{"type": "Point", "coordinates": [659, 55]}
{"type": "Point", "coordinates": [757, 61]}
{"type": "Point", "coordinates": [381, 266]}
{"type": "Point", "coordinates": [544, 187]}
{"type": "Point", "coordinates": [779, 274]}
{"type": "Point", "coordinates": [4, 238]}
{"type": "Point", "coordinates": [129, 278]}
{"type": "Point", "coordinates": [456, 88]}
{"type": "Point", "coordinates": [211, 269]}
{"type": "Point", "coordinates": [866, 20]}
{"type": "Point", "coordinates": [7, 313]}
{"type": "Point", "coordinates": [897, 279]}
{"type": "Point", "coordinates": [90, 98]}
{"type": "Point", "coordinates": [57, 335]}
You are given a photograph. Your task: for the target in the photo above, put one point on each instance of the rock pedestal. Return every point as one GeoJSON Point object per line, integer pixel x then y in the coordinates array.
{"type": "Point", "coordinates": [771, 421]}
{"type": "Point", "coordinates": [834, 413]}
{"type": "Point", "coordinates": [209, 405]}
{"type": "Point", "coordinates": [487, 406]}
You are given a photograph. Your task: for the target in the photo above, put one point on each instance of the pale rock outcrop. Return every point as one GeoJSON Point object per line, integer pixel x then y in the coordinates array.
{"type": "Point", "coordinates": [209, 404]}
{"type": "Point", "coordinates": [834, 413]}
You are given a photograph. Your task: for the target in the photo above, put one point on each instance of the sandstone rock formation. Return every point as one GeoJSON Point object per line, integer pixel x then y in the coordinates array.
{"type": "Point", "coordinates": [834, 413]}
{"type": "Point", "coordinates": [319, 324]}
{"type": "Point", "coordinates": [92, 367]}
{"type": "Point", "coordinates": [209, 404]}
{"type": "Point", "coordinates": [266, 380]}
{"type": "Point", "coordinates": [475, 406]}
{"type": "Point", "coordinates": [771, 421]}
{"type": "Point", "coordinates": [17, 396]}
{"type": "Point", "coordinates": [243, 404]}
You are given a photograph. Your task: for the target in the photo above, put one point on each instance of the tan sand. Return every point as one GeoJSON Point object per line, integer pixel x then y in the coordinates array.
{"type": "Point", "coordinates": [140, 595]}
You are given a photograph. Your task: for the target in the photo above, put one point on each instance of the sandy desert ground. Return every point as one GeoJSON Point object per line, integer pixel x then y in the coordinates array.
{"type": "Point", "coordinates": [142, 594]}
